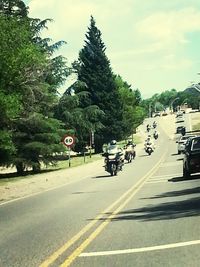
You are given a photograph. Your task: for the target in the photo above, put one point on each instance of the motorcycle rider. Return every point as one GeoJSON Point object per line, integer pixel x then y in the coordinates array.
{"type": "Point", "coordinates": [148, 127]}
{"type": "Point", "coordinates": [130, 148]}
{"type": "Point", "coordinates": [113, 148]}
{"type": "Point", "coordinates": [154, 124]}
{"type": "Point", "coordinates": [155, 135]}
{"type": "Point", "coordinates": [149, 142]}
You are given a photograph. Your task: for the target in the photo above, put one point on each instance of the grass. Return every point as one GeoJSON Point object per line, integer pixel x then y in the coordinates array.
{"type": "Point", "coordinates": [75, 161]}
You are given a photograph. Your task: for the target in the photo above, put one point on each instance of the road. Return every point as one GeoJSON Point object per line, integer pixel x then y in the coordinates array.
{"type": "Point", "coordinates": [146, 216]}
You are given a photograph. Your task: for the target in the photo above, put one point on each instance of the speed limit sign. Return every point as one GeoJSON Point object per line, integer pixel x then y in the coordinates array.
{"type": "Point", "coordinates": [68, 140]}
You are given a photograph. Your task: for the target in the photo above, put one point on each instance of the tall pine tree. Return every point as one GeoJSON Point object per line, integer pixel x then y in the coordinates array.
{"type": "Point", "coordinates": [95, 71]}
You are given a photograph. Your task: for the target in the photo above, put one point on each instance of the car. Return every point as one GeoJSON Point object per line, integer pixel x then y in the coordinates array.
{"type": "Point", "coordinates": [191, 160]}
{"type": "Point", "coordinates": [180, 119]}
{"type": "Point", "coordinates": [181, 130]}
{"type": "Point", "coordinates": [182, 142]}
{"type": "Point", "coordinates": [179, 114]}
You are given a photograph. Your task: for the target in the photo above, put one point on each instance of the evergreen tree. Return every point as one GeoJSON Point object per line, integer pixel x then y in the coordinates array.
{"type": "Point", "coordinates": [30, 77]}
{"type": "Point", "coordinates": [95, 71]}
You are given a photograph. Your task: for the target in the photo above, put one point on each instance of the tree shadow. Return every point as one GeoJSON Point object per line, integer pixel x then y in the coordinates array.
{"type": "Point", "coordinates": [162, 211]}
{"type": "Point", "coordinates": [25, 174]}
{"type": "Point", "coordinates": [177, 193]}
{"type": "Point", "coordinates": [165, 210]}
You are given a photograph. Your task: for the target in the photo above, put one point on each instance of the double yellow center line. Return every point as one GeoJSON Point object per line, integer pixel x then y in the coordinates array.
{"type": "Point", "coordinates": [126, 197]}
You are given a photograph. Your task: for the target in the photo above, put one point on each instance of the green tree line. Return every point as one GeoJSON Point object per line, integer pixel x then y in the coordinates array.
{"type": "Point", "coordinates": [173, 99]}
{"type": "Point", "coordinates": [33, 115]}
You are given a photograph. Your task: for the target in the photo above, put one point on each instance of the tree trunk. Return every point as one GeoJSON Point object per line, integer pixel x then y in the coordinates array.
{"type": "Point", "coordinates": [98, 148]}
{"type": "Point", "coordinates": [36, 167]}
{"type": "Point", "coordinates": [20, 168]}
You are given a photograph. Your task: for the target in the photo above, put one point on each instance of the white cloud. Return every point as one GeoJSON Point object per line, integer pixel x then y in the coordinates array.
{"type": "Point", "coordinates": [170, 27]}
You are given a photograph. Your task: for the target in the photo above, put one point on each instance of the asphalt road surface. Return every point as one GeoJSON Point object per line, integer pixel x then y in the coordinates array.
{"type": "Point", "coordinates": [148, 215]}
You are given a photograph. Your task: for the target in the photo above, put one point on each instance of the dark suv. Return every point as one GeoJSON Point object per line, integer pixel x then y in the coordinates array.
{"type": "Point", "coordinates": [191, 160]}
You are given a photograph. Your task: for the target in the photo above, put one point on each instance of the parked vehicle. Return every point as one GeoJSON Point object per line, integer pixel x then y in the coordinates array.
{"type": "Point", "coordinates": [182, 142]}
{"type": "Point", "coordinates": [191, 160]}
{"type": "Point", "coordinates": [180, 119]}
{"type": "Point", "coordinates": [179, 114]}
{"type": "Point", "coordinates": [181, 130]}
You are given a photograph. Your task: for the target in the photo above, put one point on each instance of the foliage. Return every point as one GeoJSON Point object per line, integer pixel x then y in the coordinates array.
{"type": "Point", "coordinates": [94, 70]}
{"type": "Point", "coordinates": [79, 119]}
{"type": "Point", "coordinates": [133, 113]}
{"type": "Point", "coordinates": [30, 77]}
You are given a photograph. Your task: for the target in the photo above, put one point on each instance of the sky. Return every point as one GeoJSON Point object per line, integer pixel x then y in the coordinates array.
{"type": "Point", "coordinates": [152, 44]}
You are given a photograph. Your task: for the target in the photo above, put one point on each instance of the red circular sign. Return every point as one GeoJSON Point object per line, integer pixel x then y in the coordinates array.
{"type": "Point", "coordinates": [68, 140]}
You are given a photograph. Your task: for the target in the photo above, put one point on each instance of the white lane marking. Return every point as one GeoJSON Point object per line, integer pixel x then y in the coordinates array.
{"type": "Point", "coordinates": [166, 175]}
{"type": "Point", "coordinates": [137, 250]}
{"type": "Point", "coordinates": [168, 164]}
{"type": "Point", "coordinates": [157, 181]}
{"type": "Point", "coordinates": [163, 178]}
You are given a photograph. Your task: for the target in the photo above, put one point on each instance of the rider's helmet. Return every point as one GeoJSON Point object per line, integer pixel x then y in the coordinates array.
{"type": "Point", "coordinates": [130, 142]}
{"type": "Point", "coordinates": [113, 142]}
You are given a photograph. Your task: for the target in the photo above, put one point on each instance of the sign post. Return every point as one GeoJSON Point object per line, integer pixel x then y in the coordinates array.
{"type": "Point", "coordinates": [68, 141]}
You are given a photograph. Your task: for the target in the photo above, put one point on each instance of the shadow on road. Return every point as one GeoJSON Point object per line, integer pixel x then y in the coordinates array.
{"type": "Point", "coordinates": [174, 209]}
{"type": "Point", "coordinates": [177, 193]}
{"type": "Point", "coordinates": [182, 179]}
{"type": "Point", "coordinates": [162, 211]}
{"type": "Point", "coordinates": [103, 176]}
{"type": "Point", "coordinates": [174, 154]}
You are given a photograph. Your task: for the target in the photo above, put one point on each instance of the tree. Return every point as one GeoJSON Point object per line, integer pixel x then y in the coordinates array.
{"type": "Point", "coordinates": [133, 113]}
{"type": "Point", "coordinates": [13, 8]}
{"type": "Point", "coordinates": [78, 119]}
{"type": "Point", "coordinates": [30, 77]}
{"type": "Point", "coordinates": [95, 71]}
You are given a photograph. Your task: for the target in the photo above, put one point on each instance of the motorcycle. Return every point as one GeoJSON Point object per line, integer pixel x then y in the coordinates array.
{"type": "Point", "coordinates": [129, 156]}
{"type": "Point", "coordinates": [155, 136]}
{"type": "Point", "coordinates": [113, 163]}
{"type": "Point", "coordinates": [154, 125]}
{"type": "Point", "coordinates": [148, 149]}
{"type": "Point", "coordinates": [148, 129]}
